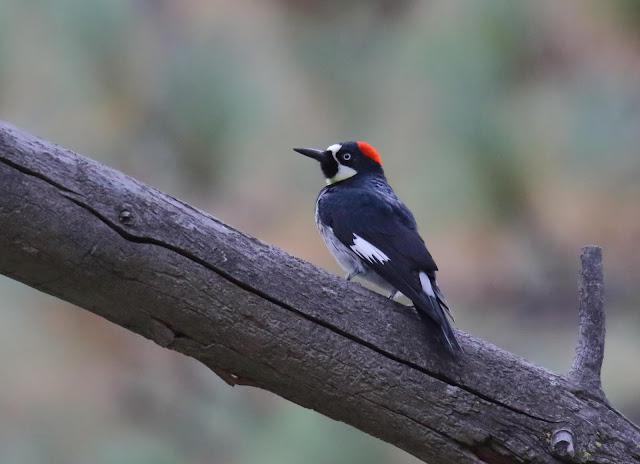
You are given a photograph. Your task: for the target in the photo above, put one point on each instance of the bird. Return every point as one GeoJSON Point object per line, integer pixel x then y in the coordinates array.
{"type": "Point", "coordinates": [373, 235]}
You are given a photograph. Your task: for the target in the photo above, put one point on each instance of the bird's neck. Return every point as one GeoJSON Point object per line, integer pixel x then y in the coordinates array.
{"type": "Point", "coordinates": [362, 180]}
{"type": "Point", "coordinates": [372, 177]}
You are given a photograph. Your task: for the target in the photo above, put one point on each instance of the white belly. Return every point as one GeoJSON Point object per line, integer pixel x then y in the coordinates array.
{"type": "Point", "coordinates": [346, 258]}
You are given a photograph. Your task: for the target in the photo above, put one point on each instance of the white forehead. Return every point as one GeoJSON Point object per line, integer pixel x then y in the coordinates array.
{"type": "Point", "coordinates": [335, 148]}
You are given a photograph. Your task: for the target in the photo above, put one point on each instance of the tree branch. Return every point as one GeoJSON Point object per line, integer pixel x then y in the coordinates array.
{"type": "Point", "coordinates": [92, 236]}
{"type": "Point", "coordinates": [587, 363]}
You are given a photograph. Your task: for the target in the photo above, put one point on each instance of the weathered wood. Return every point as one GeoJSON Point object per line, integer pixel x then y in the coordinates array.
{"type": "Point", "coordinates": [587, 363]}
{"type": "Point", "coordinates": [95, 237]}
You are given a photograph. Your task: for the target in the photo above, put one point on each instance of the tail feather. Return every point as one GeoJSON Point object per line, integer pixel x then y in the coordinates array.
{"type": "Point", "coordinates": [434, 317]}
{"type": "Point", "coordinates": [427, 303]}
{"type": "Point", "coordinates": [436, 309]}
{"type": "Point", "coordinates": [445, 326]}
{"type": "Point", "coordinates": [440, 296]}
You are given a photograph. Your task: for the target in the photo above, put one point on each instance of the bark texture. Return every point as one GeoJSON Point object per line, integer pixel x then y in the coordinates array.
{"type": "Point", "coordinates": [97, 238]}
{"type": "Point", "coordinates": [590, 350]}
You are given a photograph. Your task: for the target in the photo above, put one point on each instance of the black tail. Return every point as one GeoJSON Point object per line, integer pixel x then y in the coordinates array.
{"type": "Point", "coordinates": [434, 317]}
{"type": "Point", "coordinates": [430, 305]}
{"type": "Point", "coordinates": [441, 331]}
{"type": "Point", "coordinates": [444, 331]}
{"type": "Point", "coordinates": [439, 295]}
{"type": "Point", "coordinates": [434, 312]}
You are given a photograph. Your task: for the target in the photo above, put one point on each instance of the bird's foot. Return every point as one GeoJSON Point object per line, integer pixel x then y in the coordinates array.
{"type": "Point", "coordinates": [351, 275]}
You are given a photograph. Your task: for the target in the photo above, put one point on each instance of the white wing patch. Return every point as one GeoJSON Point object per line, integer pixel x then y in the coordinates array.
{"type": "Point", "coordinates": [426, 284]}
{"type": "Point", "coordinates": [367, 251]}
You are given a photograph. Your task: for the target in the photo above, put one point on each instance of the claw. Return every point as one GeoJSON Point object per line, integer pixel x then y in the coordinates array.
{"type": "Point", "coordinates": [351, 275]}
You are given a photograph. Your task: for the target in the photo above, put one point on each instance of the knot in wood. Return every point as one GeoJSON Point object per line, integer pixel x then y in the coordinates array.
{"type": "Point", "coordinates": [562, 443]}
{"type": "Point", "coordinates": [126, 216]}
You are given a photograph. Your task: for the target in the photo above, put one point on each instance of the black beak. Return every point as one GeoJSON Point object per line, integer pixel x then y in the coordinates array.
{"type": "Point", "coordinates": [317, 155]}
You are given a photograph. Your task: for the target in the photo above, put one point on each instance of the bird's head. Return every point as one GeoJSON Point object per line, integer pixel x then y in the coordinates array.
{"type": "Point", "coordinates": [344, 160]}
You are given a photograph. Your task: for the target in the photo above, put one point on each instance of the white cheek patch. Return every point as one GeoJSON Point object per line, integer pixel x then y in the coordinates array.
{"type": "Point", "coordinates": [344, 172]}
{"type": "Point", "coordinates": [426, 284]}
{"type": "Point", "coordinates": [335, 148]}
{"type": "Point", "coordinates": [367, 251]}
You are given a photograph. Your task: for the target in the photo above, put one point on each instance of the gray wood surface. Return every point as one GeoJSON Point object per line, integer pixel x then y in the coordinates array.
{"type": "Point", "coordinates": [90, 235]}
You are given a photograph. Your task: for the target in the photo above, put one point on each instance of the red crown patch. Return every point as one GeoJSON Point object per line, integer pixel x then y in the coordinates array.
{"type": "Point", "coordinates": [370, 152]}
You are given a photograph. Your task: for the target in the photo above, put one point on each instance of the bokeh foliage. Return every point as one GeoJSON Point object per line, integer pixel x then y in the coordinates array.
{"type": "Point", "coordinates": [510, 128]}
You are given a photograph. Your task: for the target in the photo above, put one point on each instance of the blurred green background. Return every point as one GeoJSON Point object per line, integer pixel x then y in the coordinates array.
{"type": "Point", "coordinates": [511, 129]}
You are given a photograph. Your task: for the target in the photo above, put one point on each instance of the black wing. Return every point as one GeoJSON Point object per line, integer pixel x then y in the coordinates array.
{"type": "Point", "coordinates": [383, 232]}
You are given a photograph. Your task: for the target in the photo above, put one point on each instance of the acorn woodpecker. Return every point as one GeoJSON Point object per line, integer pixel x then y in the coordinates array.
{"type": "Point", "coordinates": [373, 235]}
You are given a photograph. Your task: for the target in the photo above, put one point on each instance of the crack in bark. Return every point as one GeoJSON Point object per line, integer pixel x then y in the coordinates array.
{"type": "Point", "coordinates": [37, 174]}
{"type": "Point", "coordinates": [187, 254]}
{"type": "Point", "coordinates": [77, 198]}
{"type": "Point", "coordinates": [462, 446]}
{"type": "Point", "coordinates": [527, 426]}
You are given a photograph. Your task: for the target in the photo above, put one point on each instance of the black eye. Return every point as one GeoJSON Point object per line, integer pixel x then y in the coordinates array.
{"type": "Point", "coordinates": [346, 156]}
